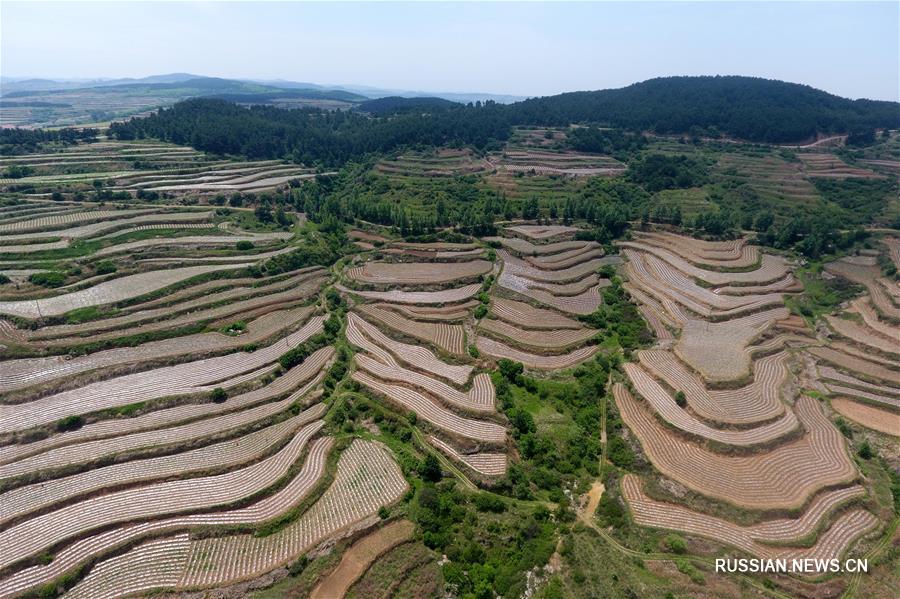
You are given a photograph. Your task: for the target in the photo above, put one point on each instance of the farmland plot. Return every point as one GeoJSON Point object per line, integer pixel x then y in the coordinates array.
{"type": "Point", "coordinates": [367, 478]}
{"type": "Point", "coordinates": [789, 458]}
{"type": "Point", "coordinates": [448, 337]}
{"type": "Point", "coordinates": [60, 221]}
{"type": "Point", "coordinates": [526, 315]}
{"type": "Point", "coordinates": [434, 414]}
{"type": "Point", "coordinates": [441, 314]}
{"type": "Point", "coordinates": [233, 452]}
{"type": "Point", "coordinates": [784, 478]}
{"type": "Point", "coordinates": [500, 350]}
{"type": "Point", "coordinates": [110, 292]}
{"type": "Point", "coordinates": [42, 532]}
{"type": "Point", "coordinates": [368, 337]}
{"type": "Point", "coordinates": [479, 399]}
{"type": "Point", "coordinates": [765, 540]}
{"type": "Point", "coordinates": [16, 374]}
{"type": "Point", "coordinates": [111, 439]}
{"type": "Point", "coordinates": [413, 273]}
{"type": "Point", "coordinates": [541, 232]}
{"type": "Point", "coordinates": [484, 463]}
{"type": "Point", "coordinates": [144, 317]}
{"type": "Point", "coordinates": [191, 377]}
{"type": "Point", "coordinates": [664, 405]}
{"type": "Point", "coordinates": [256, 513]}
{"type": "Point", "coordinates": [448, 296]}
{"type": "Point", "coordinates": [757, 401]}
{"type": "Point", "coordinates": [120, 226]}
{"type": "Point", "coordinates": [552, 340]}
{"type": "Point", "coordinates": [360, 556]}
{"type": "Point", "coordinates": [525, 248]}
{"type": "Point", "coordinates": [878, 419]}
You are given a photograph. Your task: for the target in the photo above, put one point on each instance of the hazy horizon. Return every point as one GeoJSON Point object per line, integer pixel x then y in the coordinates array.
{"type": "Point", "coordinates": [848, 49]}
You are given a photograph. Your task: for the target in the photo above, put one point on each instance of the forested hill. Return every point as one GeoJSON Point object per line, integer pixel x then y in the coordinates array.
{"type": "Point", "coordinates": [311, 136]}
{"type": "Point", "coordinates": [397, 104]}
{"type": "Point", "coordinates": [746, 108]}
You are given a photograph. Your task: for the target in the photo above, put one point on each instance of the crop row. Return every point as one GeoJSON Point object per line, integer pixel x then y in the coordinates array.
{"type": "Point", "coordinates": [449, 337]}
{"type": "Point", "coordinates": [753, 539]}
{"type": "Point", "coordinates": [417, 273]}
{"type": "Point", "coordinates": [145, 502]}
{"type": "Point", "coordinates": [192, 377]}
{"type": "Point", "coordinates": [485, 463]}
{"type": "Point", "coordinates": [665, 406]}
{"type": "Point", "coordinates": [500, 350]}
{"type": "Point", "coordinates": [368, 337]}
{"type": "Point", "coordinates": [99, 441]}
{"type": "Point", "coordinates": [783, 478]}
{"type": "Point", "coordinates": [428, 410]}
{"type": "Point", "coordinates": [101, 583]}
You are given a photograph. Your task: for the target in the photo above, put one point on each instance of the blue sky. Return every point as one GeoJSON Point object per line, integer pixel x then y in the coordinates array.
{"type": "Point", "coordinates": [851, 49]}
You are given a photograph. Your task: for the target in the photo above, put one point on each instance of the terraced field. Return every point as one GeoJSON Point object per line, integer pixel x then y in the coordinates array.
{"type": "Point", "coordinates": [831, 166]}
{"type": "Point", "coordinates": [441, 163]}
{"type": "Point", "coordinates": [770, 175]}
{"type": "Point", "coordinates": [449, 399]}
{"type": "Point", "coordinates": [716, 407]}
{"type": "Point", "coordinates": [859, 368]}
{"type": "Point", "coordinates": [537, 297]}
{"type": "Point", "coordinates": [543, 162]}
{"type": "Point", "coordinates": [154, 400]}
{"type": "Point", "coordinates": [149, 167]}
{"type": "Point", "coordinates": [198, 416]}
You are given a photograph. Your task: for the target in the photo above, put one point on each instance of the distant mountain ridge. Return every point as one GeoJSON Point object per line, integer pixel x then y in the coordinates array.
{"type": "Point", "coordinates": [19, 87]}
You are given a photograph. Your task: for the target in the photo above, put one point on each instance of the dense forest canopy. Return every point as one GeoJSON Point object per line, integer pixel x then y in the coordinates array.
{"type": "Point", "coordinates": [312, 136]}
{"type": "Point", "coordinates": [743, 107]}
{"type": "Point", "coordinates": [397, 104]}
{"type": "Point", "coordinates": [748, 108]}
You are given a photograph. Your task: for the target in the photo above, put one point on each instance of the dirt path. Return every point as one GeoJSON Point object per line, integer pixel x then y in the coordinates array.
{"type": "Point", "coordinates": [360, 556]}
{"type": "Point", "coordinates": [593, 500]}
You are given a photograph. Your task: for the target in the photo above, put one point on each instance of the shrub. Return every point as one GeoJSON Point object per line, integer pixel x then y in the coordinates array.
{"type": "Point", "coordinates": [48, 279]}
{"type": "Point", "coordinates": [431, 468]}
{"type": "Point", "coordinates": [218, 395]}
{"type": "Point", "coordinates": [4, 279]}
{"type": "Point", "coordinates": [844, 427]}
{"type": "Point", "coordinates": [486, 502]}
{"type": "Point", "coordinates": [676, 544]}
{"type": "Point", "coordinates": [244, 245]}
{"type": "Point", "coordinates": [481, 311]}
{"type": "Point", "coordinates": [510, 370]}
{"type": "Point", "coordinates": [69, 423]}
{"type": "Point", "coordinates": [105, 268]}
{"type": "Point", "coordinates": [680, 399]}
{"type": "Point", "coordinates": [865, 451]}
